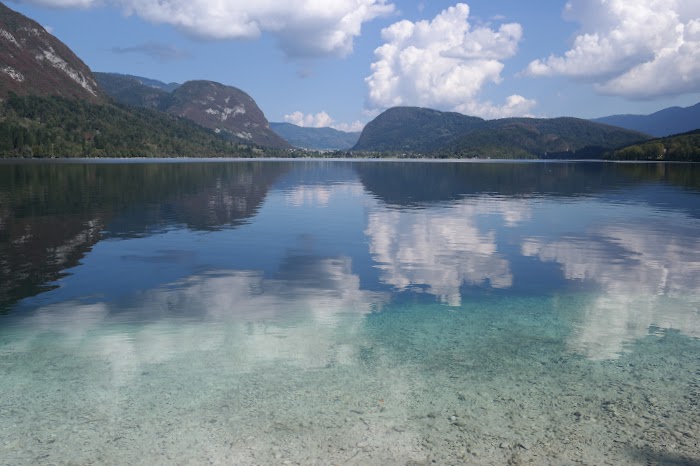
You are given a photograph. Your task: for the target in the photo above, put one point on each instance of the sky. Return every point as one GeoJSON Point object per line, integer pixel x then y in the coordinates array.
{"type": "Point", "coordinates": [340, 63]}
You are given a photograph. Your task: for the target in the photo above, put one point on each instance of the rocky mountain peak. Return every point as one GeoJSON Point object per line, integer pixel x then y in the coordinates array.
{"type": "Point", "coordinates": [33, 62]}
{"type": "Point", "coordinates": [225, 109]}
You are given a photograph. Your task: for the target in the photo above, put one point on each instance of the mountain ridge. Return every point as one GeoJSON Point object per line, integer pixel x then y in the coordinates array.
{"type": "Point", "coordinates": [227, 110]}
{"type": "Point", "coordinates": [416, 130]}
{"type": "Point", "coordinates": [51, 104]}
{"type": "Point", "coordinates": [315, 138]}
{"type": "Point", "coordinates": [683, 147]}
{"type": "Point", "coordinates": [665, 122]}
{"type": "Point", "coordinates": [34, 62]}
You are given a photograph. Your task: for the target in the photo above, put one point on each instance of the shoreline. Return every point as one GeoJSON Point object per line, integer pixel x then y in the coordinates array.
{"type": "Point", "coordinates": [38, 160]}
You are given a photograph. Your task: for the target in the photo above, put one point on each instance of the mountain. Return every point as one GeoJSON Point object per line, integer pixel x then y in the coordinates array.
{"type": "Point", "coordinates": [33, 62]}
{"type": "Point", "coordinates": [315, 138]}
{"type": "Point", "coordinates": [673, 120]}
{"type": "Point", "coordinates": [154, 83]}
{"type": "Point", "coordinates": [37, 126]}
{"type": "Point", "coordinates": [563, 137]}
{"type": "Point", "coordinates": [226, 110]}
{"type": "Point", "coordinates": [130, 90]}
{"type": "Point", "coordinates": [414, 129]}
{"type": "Point", "coordinates": [680, 147]}
{"type": "Point", "coordinates": [448, 134]}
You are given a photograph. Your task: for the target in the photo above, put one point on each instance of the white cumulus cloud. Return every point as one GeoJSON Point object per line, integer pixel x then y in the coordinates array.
{"type": "Point", "coordinates": [303, 28]}
{"type": "Point", "coordinates": [638, 49]}
{"type": "Point", "coordinates": [321, 120]}
{"type": "Point", "coordinates": [444, 63]}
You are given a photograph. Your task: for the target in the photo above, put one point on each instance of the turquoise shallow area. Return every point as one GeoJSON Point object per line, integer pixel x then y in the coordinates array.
{"type": "Point", "coordinates": [340, 313]}
{"type": "Point", "coordinates": [486, 383]}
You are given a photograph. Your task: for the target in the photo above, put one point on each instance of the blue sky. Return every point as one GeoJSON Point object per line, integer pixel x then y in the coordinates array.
{"type": "Point", "coordinates": [340, 62]}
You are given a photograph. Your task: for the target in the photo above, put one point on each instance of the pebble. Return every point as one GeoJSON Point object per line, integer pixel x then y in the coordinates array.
{"type": "Point", "coordinates": [399, 429]}
{"type": "Point", "coordinates": [362, 445]}
{"type": "Point", "coordinates": [504, 445]}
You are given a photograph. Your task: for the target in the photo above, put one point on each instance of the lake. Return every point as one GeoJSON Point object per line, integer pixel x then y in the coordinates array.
{"type": "Point", "coordinates": [368, 312]}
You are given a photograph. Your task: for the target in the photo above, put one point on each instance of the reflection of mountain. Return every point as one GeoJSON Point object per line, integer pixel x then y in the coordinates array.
{"type": "Point", "coordinates": [649, 273]}
{"type": "Point", "coordinates": [52, 214]}
{"type": "Point", "coordinates": [407, 183]}
{"type": "Point", "coordinates": [441, 249]}
{"type": "Point", "coordinates": [294, 316]}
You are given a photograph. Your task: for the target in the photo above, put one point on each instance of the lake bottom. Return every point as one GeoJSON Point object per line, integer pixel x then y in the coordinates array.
{"type": "Point", "coordinates": [503, 380]}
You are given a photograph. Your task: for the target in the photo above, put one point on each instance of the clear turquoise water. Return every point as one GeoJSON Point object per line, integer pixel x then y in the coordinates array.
{"type": "Point", "coordinates": [350, 313]}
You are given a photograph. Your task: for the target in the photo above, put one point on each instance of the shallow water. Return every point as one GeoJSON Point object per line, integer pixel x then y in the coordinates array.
{"type": "Point", "coordinates": [351, 313]}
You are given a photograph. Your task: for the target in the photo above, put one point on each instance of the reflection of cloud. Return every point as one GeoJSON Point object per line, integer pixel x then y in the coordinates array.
{"type": "Point", "coordinates": [294, 317]}
{"type": "Point", "coordinates": [319, 195]}
{"type": "Point", "coordinates": [441, 248]}
{"type": "Point", "coordinates": [650, 277]}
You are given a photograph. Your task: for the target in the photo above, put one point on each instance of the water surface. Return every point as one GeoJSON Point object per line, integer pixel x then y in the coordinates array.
{"type": "Point", "coordinates": [349, 312]}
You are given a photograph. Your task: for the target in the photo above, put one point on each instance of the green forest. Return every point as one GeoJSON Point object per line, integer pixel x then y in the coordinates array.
{"type": "Point", "coordinates": [681, 147]}
{"type": "Point", "coordinates": [33, 126]}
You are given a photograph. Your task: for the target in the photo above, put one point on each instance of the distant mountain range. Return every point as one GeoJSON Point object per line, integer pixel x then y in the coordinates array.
{"type": "Point", "coordinates": [673, 120]}
{"type": "Point", "coordinates": [52, 104]}
{"type": "Point", "coordinates": [178, 99]}
{"type": "Point", "coordinates": [315, 138]}
{"type": "Point", "coordinates": [422, 131]}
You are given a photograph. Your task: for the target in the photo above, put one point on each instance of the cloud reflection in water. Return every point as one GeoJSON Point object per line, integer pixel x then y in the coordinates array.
{"type": "Point", "coordinates": [648, 274]}
{"type": "Point", "coordinates": [442, 248]}
{"type": "Point", "coordinates": [308, 316]}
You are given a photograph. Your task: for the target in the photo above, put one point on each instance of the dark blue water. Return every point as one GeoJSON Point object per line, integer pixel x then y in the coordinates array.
{"type": "Point", "coordinates": [349, 312]}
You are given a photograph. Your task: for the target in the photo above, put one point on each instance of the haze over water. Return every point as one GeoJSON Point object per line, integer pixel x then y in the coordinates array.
{"type": "Point", "coordinates": [349, 312]}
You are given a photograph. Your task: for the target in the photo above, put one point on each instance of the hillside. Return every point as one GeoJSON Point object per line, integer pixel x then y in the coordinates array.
{"type": "Point", "coordinates": [129, 90]}
{"type": "Point", "coordinates": [681, 147]}
{"type": "Point", "coordinates": [34, 126]}
{"type": "Point", "coordinates": [414, 129]}
{"type": "Point", "coordinates": [51, 106]}
{"type": "Point", "coordinates": [315, 138]}
{"type": "Point", "coordinates": [541, 138]}
{"type": "Point", "coordinates": [666, 122]}
{"type": "Point", "coordinates": [154, 83]}
{"type": "Point", "coordinates": [33, 62]}
{"type": "Point", "coordinates": [438, 134]}
{"type": "Point", "coordinates": [226, 110]}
